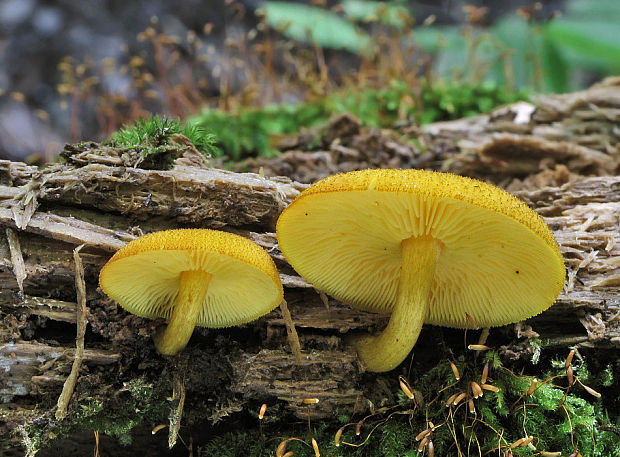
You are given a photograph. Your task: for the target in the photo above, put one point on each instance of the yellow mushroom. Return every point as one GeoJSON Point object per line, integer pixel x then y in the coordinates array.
{"type": "Point", "coordinates": [426, 247]}
{"type": "Point", "coordinates": [192, 277]}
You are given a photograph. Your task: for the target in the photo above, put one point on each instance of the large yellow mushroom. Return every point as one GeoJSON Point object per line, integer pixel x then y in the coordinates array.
{"type": "Point", "coordinates": [192, 277]}
{"type": "Point", "coordinates": [426, 247]}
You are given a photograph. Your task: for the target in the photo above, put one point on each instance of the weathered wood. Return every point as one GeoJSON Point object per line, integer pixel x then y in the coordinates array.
{"type": "Point", "coordinates": [99, 199]}
{"type": "Point", "coordinates": [81, 322]}
{"type": "Point", "coordinates": [185, 194]}
{"type": "Point", "coordinates": [583, 215]}
{"type": "Point", "coordinates": [577, 132]}
{"type": "Point", "coordinates": [29, 367]}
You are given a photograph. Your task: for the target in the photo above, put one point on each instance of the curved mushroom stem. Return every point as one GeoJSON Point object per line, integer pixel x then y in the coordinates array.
{"type": "Point", "coordinates": [387, 350]}
{"type": "Point", "coordinates": [193, 288]}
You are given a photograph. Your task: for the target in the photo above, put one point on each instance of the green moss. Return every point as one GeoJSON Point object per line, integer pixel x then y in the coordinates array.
{"type": "Point", "coordinates": [558, 420]}
{"type": "Point", "coordinates": [137, 402]}
{"type": "Point", "coordinates": [249, 132]}
{"type": "Point", "coordinates": [536, 345]}
{"type": "Point", "coordinates": [151, 137]}
{"type": "Point", "coordinates": [115, 416]}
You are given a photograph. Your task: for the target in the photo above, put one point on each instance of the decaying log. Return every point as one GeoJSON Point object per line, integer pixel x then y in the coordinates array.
{"type": "Point", "coordinates": [30, 367]}
{"type": "Point", "coordinates": [99, 199]}
{"type": "Point", "coordinates": [577, 132]}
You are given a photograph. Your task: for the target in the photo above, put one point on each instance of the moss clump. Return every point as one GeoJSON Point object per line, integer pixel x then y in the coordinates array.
{"type": "Point", "coordinates": [138, 401]}
{"type": "Point", "coordinates": [392, 439]}
{"type": "Point", "coordinates": [557, 418]}
{"type": "Point", "coordinates": [248, 132]}
{"type": "Point", "coordinates": [152, 138]}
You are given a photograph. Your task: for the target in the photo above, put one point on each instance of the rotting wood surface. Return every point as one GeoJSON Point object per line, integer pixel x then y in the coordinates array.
{"type": "Point", "coordinates": [516, 146]}
{"type": "Point", "coordinates": [99, 200]}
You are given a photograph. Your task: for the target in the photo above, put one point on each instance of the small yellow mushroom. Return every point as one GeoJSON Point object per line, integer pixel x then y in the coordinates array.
{"type": "Point", "coordinates": [192, 277]}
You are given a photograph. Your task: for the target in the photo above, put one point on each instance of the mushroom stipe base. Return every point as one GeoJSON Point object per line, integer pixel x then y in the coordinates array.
{"type": "Point", "coordinates": [387, 350]}
{"type": "Point", "coordinates": [193, 286]}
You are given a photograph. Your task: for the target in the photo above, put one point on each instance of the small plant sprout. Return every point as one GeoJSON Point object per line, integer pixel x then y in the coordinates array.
{"type": "Point", "coordinates": [358, 427]}
{"type": "Point", "coordinates": [315, 446]}
{"type": "Point", "coordinates": [484, 335]}
{"type": "Point", "coordinates": [590, 390]}
{"type": "Point", "coordinates": [450, 400]}
{"type": "Point", "coordinates": [423, 444]}
{"type": "Point", "coordinates": [478, 347]}
{"type": "Point", "coordinates": [281, 449]}
{"type": "Point", "coordinates": [532, 387]}
{"type": "Point", "coordinates": [261, 412]}
{"type": "Point", "coordinates": [404, 386]}
{"type": "Point", "coordinates": [569, 375]}
{"type": "Point", "coordinates": [522, 442]}
{"type": "Point", "coordinates": [471, 322]}
{"type": "Point", "coordinates": [158, 428]}
{"type": "Point", "coordinates": [455, 370]}
{"type": "Point", "coordinates": [485, 374]}
{"type": "Point", "coordinates": [458, 398]}
{"type": "Point", "coordinates": [476, 390]}
{"type": "Point", "coordinates": [489, 387]}
{"type": "Point", "coordinates": [423, 434]}
{"type": "Point", "coordinates": [338, 436]}
{"type": "Point", "coordinates": [261, 415]}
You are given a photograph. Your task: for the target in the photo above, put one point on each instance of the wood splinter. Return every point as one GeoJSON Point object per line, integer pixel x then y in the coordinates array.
{"type": "Point", "coordinates": [69, 385]}
{"type": "Point", "coordinates": [291, 333]}
{"type": "Point", "coordinates": [17, 259]}
{"type": "Point", "coordinates": [178, 402]}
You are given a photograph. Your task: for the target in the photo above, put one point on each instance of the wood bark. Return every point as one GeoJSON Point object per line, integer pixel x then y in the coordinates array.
{"type": "Point", "coordinates": [103, 198]}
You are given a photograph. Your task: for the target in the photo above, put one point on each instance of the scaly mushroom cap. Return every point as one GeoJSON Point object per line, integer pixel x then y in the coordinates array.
{"type": "Point", "coordinates": [144, 275]}
{"type": "Point", "coordinates": [498, 260]}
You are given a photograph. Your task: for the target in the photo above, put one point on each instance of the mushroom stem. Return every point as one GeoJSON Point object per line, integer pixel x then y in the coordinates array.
{"type": "Point", "coordinates": [193, 286]}
{"type": "Point", "coordinates": [387, 350]}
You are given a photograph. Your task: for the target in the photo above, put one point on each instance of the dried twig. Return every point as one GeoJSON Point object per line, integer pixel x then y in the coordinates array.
{"type": "Point", "coordinates": [17, 259]}
{"type": "Point", "coordinates": [178, 398]}
{"type": "Point", "coordinates": [80, 286]}
{"type": "Point", "coordinates": [291, 333]}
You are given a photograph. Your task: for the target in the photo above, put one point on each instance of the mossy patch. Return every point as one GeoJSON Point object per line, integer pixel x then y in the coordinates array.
{"type": "Point", "coordinates": [557, 418]}
{"type": "Point", "coordinates": [152, 139]}
{"type": "Point", "coordinates": [137, 402]}
{"type": "Point", "coordinates": [249, 132]}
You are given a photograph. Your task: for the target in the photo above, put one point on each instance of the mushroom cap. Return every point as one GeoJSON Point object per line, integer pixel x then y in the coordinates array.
{"type": "Point", "coordinates": [144, 275]}
{"type": "Point", "coordinates": [498, 260]}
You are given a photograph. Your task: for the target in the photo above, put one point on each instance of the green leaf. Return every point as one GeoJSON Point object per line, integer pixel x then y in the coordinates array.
{"type": "Point", "coordinates": [519, 39]}
{"type": "Point", "coordinates": [435, 39]}
{"type": "Point", "coordinates": [310, 24]}
{"type": "Point", "coordinates": [590, 43]}
{"type": "Point", "coordinates": [593, 9]}
{"type": "Point", "coordinates": [391, 14]}
{"type": "Point", "coordinates": [555, 67]}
